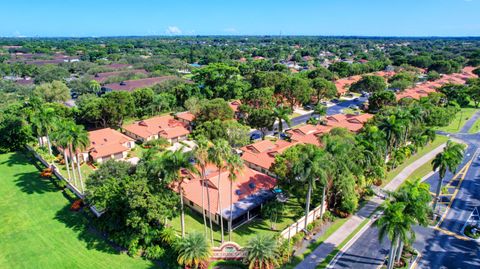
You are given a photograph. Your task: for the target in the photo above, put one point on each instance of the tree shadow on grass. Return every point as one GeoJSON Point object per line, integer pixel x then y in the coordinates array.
{"type": "Point", "coordinates": [32, 183]}
{"type": "Point", "coordinates": [86, 233]}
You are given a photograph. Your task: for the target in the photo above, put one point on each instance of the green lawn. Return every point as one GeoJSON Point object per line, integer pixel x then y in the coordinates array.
{"type": "Point", "coordinates": [393, 173]}
{"type": "Point", "coordinates": [475, 127]}
{"type": "Point", "coordinates": [241, 235]}
{"type": "Point", "coordinates": [459, 120]}
{"type": "Point", "coordinates": [39, 231]}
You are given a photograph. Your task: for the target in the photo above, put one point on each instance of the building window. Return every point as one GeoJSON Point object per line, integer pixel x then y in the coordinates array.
{"type": "Point", "coordinates": [191, 203]}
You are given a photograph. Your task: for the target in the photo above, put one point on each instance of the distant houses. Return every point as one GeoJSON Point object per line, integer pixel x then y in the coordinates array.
{"type": "Point", "coordinates": [153, 128]}
{"type": "Point", "coordinates": [131, 85]}
{"type": "Point", "coordinates": [102, 77]}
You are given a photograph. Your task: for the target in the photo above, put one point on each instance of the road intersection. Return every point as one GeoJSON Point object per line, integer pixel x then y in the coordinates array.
{"type": "Point", "coordinates": [443, 246]}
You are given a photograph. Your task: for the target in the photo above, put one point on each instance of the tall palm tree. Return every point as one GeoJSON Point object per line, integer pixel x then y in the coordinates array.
{"type": "Point", "coordinates": [281, 114]}
{"type": "Point", "coordinates": [201, 156]}
{"type": "Point", "coordinates": [262, 252]}
{"type": "Point", "coordinates": [44, 121]}
{"type": "Point", "coordinates": [193, 251]}
{"type": "Point", "coordinates": [416, 196]}
{"type": "Point", "coordinates": [234, 165]}
{"type": "Point", "coordinates": [396, 225]}
{"type": "Point", "coordinates": [79, 143]}
{"type": "Point", "coordinates": [394, 131]}
{"type": "Point", "coordinates": [94, 86]}
{"type": "Point", "coordinates": [310, 169]}
{"type": "Point", "coordinates": [218, 154]}
{"type": "Point", "coordinates": [449, 159]}
{"type": "Point", "coordinates": [172, 163]}
{"type": "Point", "coordinates": [60, 139]}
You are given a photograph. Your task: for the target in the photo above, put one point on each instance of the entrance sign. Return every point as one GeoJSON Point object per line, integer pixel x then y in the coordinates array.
{"type": "Point", "coordinates": [228, 251]}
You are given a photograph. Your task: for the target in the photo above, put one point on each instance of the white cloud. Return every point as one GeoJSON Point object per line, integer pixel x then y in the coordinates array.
{"type": "Point", "coordinates": [173, 30]}
{"type": "Point", "coordinates": [230, 30]}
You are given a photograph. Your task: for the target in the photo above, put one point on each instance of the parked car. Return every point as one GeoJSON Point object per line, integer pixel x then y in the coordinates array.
{"type": "Point", "coordinates": [356, 99]}
{"type": "Point", "coordinates": [336, 101]}
{"type": "Point", "coordinates": [308, 107]}
{"type": "Point", "coordinates": [353, 107]}
{"type": "Point", "coordinates": [255, 136]}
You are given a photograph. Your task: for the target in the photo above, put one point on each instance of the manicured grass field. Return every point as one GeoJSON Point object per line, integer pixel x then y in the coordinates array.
{"type": "Point", "coordinates": [38, 230]}
{"type": "Point", "coordinates": [459, 120]}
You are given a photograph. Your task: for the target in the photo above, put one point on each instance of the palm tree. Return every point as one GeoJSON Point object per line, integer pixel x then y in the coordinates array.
{"type": "Point", "coordinates": [61, 140]}
{"type": "Point", "coordinates": [172, 163]}
{"type": "Point", "coordinates": [320, 110]}
{"type": "Point", "coordinates": [218, 154]}
{"type": "Point", "coordinates": [79, 143]}
{"type": "Point", "coordinates": [416, 196]}
{"type": "Point", "coordinates": [193, 251]}
{"type": "Point", "coordinates": [281, 114]}
{"type": "Point", "coordinates": [393, 129]}
{"type": "Point", "coordinates": [201, 156]}
{"type": "Point", "coordinates": [234, 165]}
{"type": "Point", "coordinates": [44, 121]}
{"type": "Point", "coordinates": [262, 252]}
{"type": "Point", "coordinates": [396, 225]}
{"type": "Point", "coordinates": [449, 159]}
{"type": "Point", "coordinates": [310, 169]}
{"type": "Point", "coordinates": [94, 86]}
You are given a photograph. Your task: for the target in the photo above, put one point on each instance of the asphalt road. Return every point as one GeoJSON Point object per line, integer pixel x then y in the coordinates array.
{"type": "Point", "coordinates": [438, 249]}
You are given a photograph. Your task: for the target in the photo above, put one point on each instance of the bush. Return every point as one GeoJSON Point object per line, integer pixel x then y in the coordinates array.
{"type": "Point", "coordinates": [154, 252]}
{"type": "Point", "coordinates": [77, 205]}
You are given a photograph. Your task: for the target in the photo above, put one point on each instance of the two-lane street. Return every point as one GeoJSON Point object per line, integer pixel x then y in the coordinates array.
{"type": "Point", "coordinates": [439, 247]}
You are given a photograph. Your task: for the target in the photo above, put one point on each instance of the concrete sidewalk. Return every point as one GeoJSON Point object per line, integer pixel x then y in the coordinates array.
{"type": "Point", "coordinates": [332, 242]}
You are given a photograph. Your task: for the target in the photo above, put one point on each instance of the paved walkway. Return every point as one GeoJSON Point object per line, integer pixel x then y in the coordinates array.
{"type": "Point", "coordinates": [332, 242]}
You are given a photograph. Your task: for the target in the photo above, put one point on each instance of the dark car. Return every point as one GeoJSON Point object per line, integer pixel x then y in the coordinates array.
{"type": "Point", "coordinates": [336, 101]}
{"type": "Point", "coordinates": [308, 107]}
{"type": "Point", "coordinates": [255, 136]}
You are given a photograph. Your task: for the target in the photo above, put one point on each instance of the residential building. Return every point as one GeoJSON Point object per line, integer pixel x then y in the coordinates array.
{"type": "Point", "coordinates": [261, 155]}
{"type": "Point", "coordinates": [131, 85]}
{"type": "Point", "coordinates": [106, 144]}
{"type": "Point", "coordinates": [250, 191]}
{"type": "Point", "coordinates": [308, 134]}
{"type": "Point", "coordinates": [102, 77]}
{"type": "Point", "coordinates": [161, 126]}
{"type": "Point", "coordinates": [351, 122]}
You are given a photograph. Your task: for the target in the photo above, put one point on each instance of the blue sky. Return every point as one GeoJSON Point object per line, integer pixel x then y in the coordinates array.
{"type": "Point", "coordinates": [234, 17]}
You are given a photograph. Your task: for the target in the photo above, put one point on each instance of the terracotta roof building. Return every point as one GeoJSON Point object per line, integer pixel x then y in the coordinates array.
{"type": "Point", "coordinates": [352, 122]}
{"type": "Point", "coordinates": [344, 83]}
{"type": "Point", "coordinates": [308, 134]}
{"type": "Point", "coordinates": [106, 144]}
{"type": "Point", "coordinates": [102, 77]}
{"type": "Point", "coordinates": [261, 155]}
{"type": "Point", "coordinates": [161, 126]}
{"type": "Point", "coordinates": [250, 190]}
{"type": "Point", "coordinates": [130, 85]}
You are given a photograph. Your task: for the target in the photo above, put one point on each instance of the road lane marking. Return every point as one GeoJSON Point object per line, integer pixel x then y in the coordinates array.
{"type": "Point", "coordinates": [447, 232]}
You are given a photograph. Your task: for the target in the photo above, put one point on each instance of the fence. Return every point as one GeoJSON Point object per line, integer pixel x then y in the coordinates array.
{"type": "Point", "coordinates": [298, 226]}
{"type": "Point", "coordinates": [57, 174]}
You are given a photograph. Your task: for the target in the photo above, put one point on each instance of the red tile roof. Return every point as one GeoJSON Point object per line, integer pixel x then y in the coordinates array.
{"type": "Point", "coordinates": [105, 142]}
{"type": "Point", "coordinates": [242, 187]}
{"type": "Point", "coordinates": [352, 122]}
{"type": "Point", "coordinates": [234, 105]}
{"type": "Point", "coordinates": [187, 116]}
{"type": "Point", "coordinates": [343, 84]}
{"type": "Point", "coordinates": [263, 153]}
{"type": "Point", "coordinates": [101, 77]}
{"type": "Point", "coordinates": [308, 134]}
{"type": "Point", "coordinates": [164, 126]}
{"type": "Point", "coordinates": [130, 85]}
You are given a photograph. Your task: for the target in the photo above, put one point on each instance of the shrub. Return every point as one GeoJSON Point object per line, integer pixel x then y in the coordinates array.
{"type": "Point", "coordinates": [77, 205]}
{"type": "Point", "coordinates": [154, 252]}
